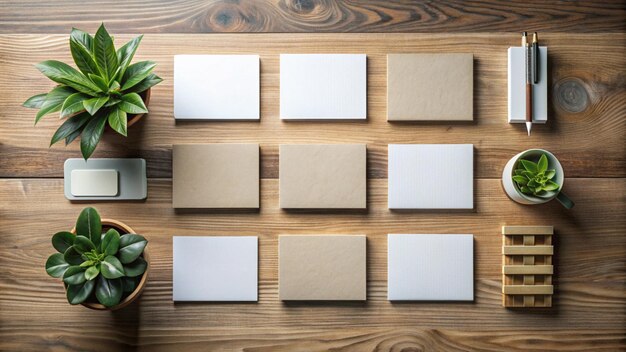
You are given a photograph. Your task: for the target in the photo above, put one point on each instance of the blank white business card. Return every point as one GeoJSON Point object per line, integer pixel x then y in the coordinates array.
{"type": "Point", "coordinates": [220, 268]}
{"type": "Point", "coordinates": [430, 268]}
{"type": "Point", "coordinates": [323, 86]}
{"type": "Point", "coordinates": [431, 176]}
{"type": "Point", "coordinates": [94, 183]}
{"type": "Point", "coordinates": [217, 87]}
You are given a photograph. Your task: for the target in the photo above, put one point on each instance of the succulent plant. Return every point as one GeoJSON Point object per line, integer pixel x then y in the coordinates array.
{"type": "Point", "coordinates": [107, 265]}
{"type": "Point", "coordinates": [105, 88]}
{"type": "Point", "coordinates": [534, 178]}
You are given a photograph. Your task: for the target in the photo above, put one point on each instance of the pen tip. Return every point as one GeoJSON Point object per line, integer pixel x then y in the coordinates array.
{"type": "Point", "coordinates": [529, 125]}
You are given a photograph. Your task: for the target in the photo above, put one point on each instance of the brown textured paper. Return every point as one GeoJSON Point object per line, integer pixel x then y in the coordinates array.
{"type": "Point", "coordinates": [430, 87]}
{"type": "Point", "coordinates": [323, 176]}
{"type": "Point", "coordinates": [322, 268]}
{"type": "Point", "coordinates": [215, 176]}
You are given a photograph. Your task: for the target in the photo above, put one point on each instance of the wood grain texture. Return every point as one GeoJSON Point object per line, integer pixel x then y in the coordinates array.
{"type": "Point", "coordinates": [202, 16]}
{"type": "Point", "coordinates": [587, 131]}
{"type": "Point", "coordinates": [590, 143]}
{"type": "Point", "coordinates": [590, 281]}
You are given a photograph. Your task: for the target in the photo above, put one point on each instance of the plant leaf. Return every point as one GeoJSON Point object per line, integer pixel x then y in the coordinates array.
{"type": "Point", "coordinates": [532, 183]}
{"type": "Point", "coordinates": [118, 121]}
{"type": "Point", "coordinates": [111, 268]}
{"type": "Point", "coordinates": [83, 244]}
{"type": "Point", "coordinates": [89, 225]}
{"type": "Point", "coordinates": [72, 257]}
{"type": "Point", "coordinates": [36, 101]}
{"type": "Point", "coordinates": [110, 242]}
{"type": "Point", "coordinates": [67, 75]}
{"type": "Point", "coordinates": [83, 38]}
{"type": "Point", "coordinates": [94, 104]}
{"type": "Point", "coordinates": [73, 104]}
{"type": "Point", "coordinates": [70, 126]}
{"type": "Point", "coordinates": [109, 292]}
{"type": "Point", "coordinates": [112, 102]}
{"type": "Point", "coordinates": [104, 52]}
{"type": "Point", "coordinates": [133, 104]}
{"type": "Point", "coordinates": [525, 190]}
{"type": "Point", "coordinates": [136, 72]}
{"type": "Point", "coordinates": [551, 186]}
{"type": "Point", "coordinates": [91, 135]}
{"type": "Point", "coordinates": [131, 246]}
{"type": "Point", "coordinates": [550, 174]}
{"type": "Point", "coordinates": [74, 275]}
{"type": "Point", "coordinates": [77, 294]}
{"type": "Point", "coordinates": [92, 272]}
{"type": "Point", "coordinates": [54, 101]}
{"type": "Point", "coordinates": [63, 240]}
{"type": "Point", "coordinates": [101, 83]}
{"type": "Point", "coordinates": [125, 54]}
{"type": "Point", "coordinates": [56, 265]}
{"type": "Point", "coordinates": [521, 180]}
{"type": "Point", "coordinates": [82, 57]}
{"type": "Point", "coordinates": [542, 164]}
{"type": "Point", "coordinates": [129, 284]}
{"type": "Point", "coordinates": [528, 165]}
{"type": "Point", "coordinates": [72, 136]}
{"type": "Point", "coordinates": [136, 268]}
{"type": "Point", "coordinates": [146, 83]}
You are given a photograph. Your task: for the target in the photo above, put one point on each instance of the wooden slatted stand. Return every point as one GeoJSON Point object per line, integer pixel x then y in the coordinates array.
{"type": "Point", "coordinates": [527, 266]}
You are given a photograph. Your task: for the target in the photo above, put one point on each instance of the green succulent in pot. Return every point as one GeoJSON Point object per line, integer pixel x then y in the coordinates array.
{"type": "Point", "coordinates": [534, 178]}
{"type": "Point", "coordinates": [95, 266]}
{"type": "Point", "coordinates": [106, 89]}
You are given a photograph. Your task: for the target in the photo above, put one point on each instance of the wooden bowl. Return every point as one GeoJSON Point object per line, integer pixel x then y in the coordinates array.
{"type": "Point", "coordinates": [145, 95]}
{"type": "Point", "coordinates": [125, 229]}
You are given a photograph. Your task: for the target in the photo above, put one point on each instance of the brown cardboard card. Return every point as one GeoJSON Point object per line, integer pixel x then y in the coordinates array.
{"type": "Point", "coordinates": [215, 176]}
{"type": "Point", "coordinates": [322, 268]}
{"type": "Point", "coordinates": [430, 87]}
{"type": "Point", "coordinates": [323, 176]}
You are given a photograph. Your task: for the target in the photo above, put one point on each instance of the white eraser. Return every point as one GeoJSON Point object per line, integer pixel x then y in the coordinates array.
{"type": "Point", "coordinates": [94, 183]}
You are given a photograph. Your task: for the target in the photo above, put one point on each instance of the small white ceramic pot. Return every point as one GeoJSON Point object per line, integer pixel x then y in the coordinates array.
{"type": "Point", "coordinates": [512, 190]}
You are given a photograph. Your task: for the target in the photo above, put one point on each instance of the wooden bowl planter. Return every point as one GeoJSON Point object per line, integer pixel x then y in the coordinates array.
{"type": "Point", "coordinates": [122, 228]}
{"type": "Point", "coordinates": [145, 96]}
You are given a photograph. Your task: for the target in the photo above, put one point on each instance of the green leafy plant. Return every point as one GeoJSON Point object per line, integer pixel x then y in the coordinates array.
{"type": "Point", "coordinates": [107, 265]}
{"type": "Point", "coordinates": [105, 88]}
{"type": "Point", "coordinates": [534, 178]}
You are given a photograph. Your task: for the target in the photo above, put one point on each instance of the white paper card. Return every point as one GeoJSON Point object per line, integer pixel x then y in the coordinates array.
{"type": "Point", "coordinates": [430, 268]}
{"type": "Point", "coordinates": [431, 176]}
{"type": "Point", "coordinates": [217, 87]}
{"type": "Point", "coordinates": [95, 183]}
{"type": "Point", "coordinates": [517, 87]}
{"type": "Point", "coordinates": [323, 86]}
{"type": "Point", "coordinates": [215, 268]}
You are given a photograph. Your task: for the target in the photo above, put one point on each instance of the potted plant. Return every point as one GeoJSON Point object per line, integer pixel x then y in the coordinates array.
{"type": "Point", "coordinates": [106, 88]}
{"type": "Point", "coordinates": [535, 176]}
{"type": "Point", "coordinates": [103, 263]}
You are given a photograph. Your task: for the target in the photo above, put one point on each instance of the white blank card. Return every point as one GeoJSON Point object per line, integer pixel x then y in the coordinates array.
{"type": "Point", "coordinates": [431, 176]}
{"type": "Point", "coordinates": [323, 86]}
{"type": "Point", "coordinates": [217, 87]}
{"type": "Point", "coordinates": [215, 268]}
{"type": "Point", "coordinates": [430, 268]}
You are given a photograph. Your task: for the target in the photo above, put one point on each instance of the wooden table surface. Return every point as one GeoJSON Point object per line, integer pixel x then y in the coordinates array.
{"type": "Point", "coordinates": [587, 131]}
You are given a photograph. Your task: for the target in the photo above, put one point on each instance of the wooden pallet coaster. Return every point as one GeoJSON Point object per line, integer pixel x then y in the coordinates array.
{"type": "Point", "coordinates": [527, 266]}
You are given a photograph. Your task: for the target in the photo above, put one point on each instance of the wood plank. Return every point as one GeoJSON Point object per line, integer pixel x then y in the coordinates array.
{"type": "Point", "coordinates": [35, 315]}
{"type": "Point", "coordinates": [25, 151]}
{"type": "Point", "coordinates": [527, 290]}
{"type": "Point", "coordinates": [527, 250]}
{"type": "Point", "coordinates": [527, 230]}
{"type": "Point", "coordinates": [527, 269]}
{"type": "Point", "coordinates": [195, 16]}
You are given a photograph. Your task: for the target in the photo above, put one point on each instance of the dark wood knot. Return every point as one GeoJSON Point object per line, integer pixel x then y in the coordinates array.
{"type": "Point", "coordinates": [570, 95]}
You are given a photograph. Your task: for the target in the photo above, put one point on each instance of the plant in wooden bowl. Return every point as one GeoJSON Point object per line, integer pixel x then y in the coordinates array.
{"type": "Point", "coordinates": [106, 88]}
{"type": "Point", "coordinates": [103, 263]}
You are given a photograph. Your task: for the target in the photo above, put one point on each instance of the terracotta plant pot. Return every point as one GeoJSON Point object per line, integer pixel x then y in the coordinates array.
{"type": "Point", "coordinates": [125, 229]}
{"type": "Point", "coordinates": [145, 95]}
